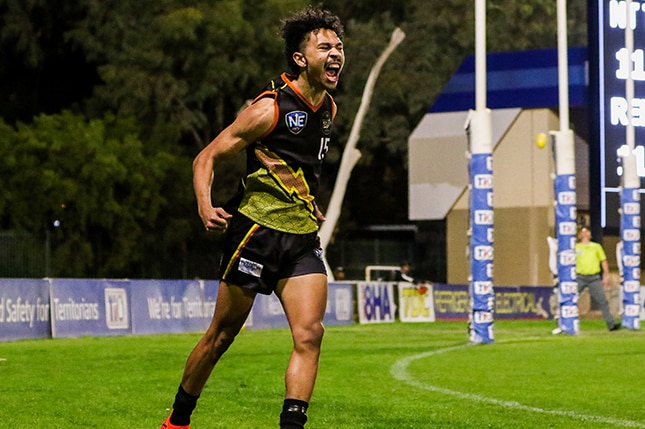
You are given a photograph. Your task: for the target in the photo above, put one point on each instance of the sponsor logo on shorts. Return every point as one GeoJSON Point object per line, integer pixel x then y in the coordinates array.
{"type": "Point", "coordinates": [249, 267]}
{"type": "Point", "coordinates": [318, 253]}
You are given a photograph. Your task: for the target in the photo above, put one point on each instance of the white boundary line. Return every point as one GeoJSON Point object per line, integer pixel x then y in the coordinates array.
{"type": "Point", "coordinates": [400, 372]}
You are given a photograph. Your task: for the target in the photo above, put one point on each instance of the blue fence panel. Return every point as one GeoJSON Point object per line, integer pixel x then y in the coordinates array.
{"type": "Point", "coordinates": [24, 309]}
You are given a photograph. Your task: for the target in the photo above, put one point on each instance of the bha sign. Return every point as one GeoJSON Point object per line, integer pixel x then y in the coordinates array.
{"type": "Point", "coordinates": [376, 302]}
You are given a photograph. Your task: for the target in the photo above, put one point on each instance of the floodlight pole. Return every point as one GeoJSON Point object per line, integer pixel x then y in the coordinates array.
{"type": "Point", "coordinates": [630, 198]}
{"type": "Point", "coordinates": [565, 191]}
{"type": "Point", "coordinates": [478, 130]}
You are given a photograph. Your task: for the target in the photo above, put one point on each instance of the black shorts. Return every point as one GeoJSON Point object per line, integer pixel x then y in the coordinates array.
{"type": "Point", "coordinates": [256, 257]}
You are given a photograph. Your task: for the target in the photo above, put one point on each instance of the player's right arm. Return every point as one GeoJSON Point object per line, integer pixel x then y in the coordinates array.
{"type": "Point", "coordinates": [250, 125]}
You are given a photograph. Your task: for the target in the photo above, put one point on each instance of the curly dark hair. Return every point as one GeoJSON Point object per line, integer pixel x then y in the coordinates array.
{"type": "Point", "coordinates": [298, 26]}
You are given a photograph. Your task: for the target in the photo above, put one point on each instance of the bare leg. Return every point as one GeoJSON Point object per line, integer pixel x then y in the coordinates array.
{"type": "Point", "coordinates": [231, 310]}
{"type": "Point", "coordinates": [304, 299]}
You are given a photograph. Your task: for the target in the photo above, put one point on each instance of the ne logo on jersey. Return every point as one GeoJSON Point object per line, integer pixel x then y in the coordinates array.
{"type": "Point", "coordinates": [296, 121]}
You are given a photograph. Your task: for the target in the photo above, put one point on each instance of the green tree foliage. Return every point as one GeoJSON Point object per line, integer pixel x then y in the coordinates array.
{"type": "Point", "coordinates": [39, 71]}
{"type": "Point", "coordinates": [182, 68]}
{"type": "Point", "coordinates": [91, 184]}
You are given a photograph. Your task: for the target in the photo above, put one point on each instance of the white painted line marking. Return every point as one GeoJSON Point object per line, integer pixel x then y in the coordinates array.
{"type": "Point", "coordinates": [400, 372]}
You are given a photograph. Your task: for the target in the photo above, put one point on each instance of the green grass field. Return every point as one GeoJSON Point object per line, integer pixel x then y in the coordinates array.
{"type": "Point", "coordinates": [390, 376]}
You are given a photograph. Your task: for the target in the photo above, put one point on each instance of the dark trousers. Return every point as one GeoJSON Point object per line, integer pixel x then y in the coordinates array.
{"type": "Point", "coordinates": [597, 292]}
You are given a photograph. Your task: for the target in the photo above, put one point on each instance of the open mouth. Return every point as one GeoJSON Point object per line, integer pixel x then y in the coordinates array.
{"type": "Point", "coordinates": [332, 71]}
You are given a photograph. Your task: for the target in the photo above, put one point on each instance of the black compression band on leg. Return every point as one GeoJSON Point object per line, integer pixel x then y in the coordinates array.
{"type": "Point", "coordinates": [183, 407]}
{"type": "Point", "coordinates": [294, 414]}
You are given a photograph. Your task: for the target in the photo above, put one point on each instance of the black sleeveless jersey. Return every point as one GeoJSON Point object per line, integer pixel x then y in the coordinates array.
{"type": "Point", "coordinates": [283, 166]}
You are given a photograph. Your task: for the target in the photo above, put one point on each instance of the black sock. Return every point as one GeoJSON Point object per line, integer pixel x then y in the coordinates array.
{"type": "Point", "coordinates": [294, 414]}
{"type": "Point", "coordinates": [183, 407]}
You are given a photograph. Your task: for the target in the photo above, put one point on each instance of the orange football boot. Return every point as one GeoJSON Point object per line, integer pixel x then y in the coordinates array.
{"type": "Point", "coordinates": [167, 425]}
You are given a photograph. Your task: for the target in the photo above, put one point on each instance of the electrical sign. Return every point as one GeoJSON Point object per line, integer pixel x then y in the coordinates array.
{"type": "Point", "coordinates": [614, 66]}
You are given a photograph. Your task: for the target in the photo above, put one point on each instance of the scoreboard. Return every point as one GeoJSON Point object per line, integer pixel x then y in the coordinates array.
{"type": "Point", "coordinates": [613, 64]}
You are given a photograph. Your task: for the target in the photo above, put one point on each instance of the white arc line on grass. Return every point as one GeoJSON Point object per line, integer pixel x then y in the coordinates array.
{"type": "Point", "coordinates": [400, 372]}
